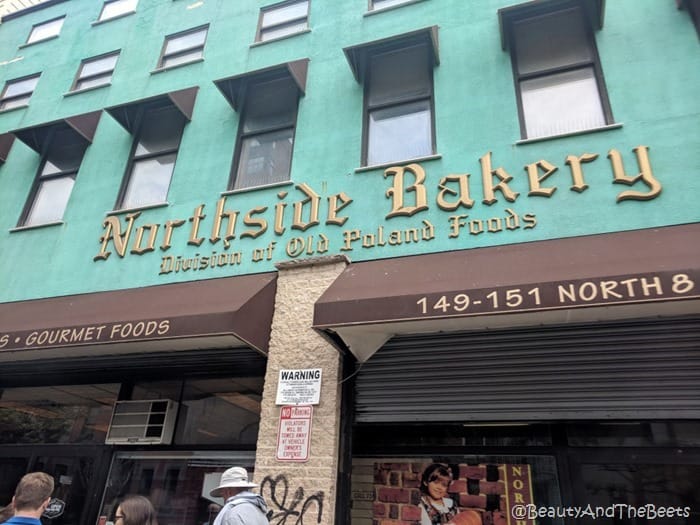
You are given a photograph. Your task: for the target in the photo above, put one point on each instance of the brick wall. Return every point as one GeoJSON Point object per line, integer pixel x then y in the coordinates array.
{"type": "Point", "coordinates": [479, 487]}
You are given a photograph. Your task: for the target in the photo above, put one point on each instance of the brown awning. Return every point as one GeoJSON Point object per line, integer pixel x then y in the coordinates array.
{"type": "Point", "coordinates": [358, 55]}
{"type": "Point", "coordinates": [183, 100]}
{"type": "Point", "coordinates": [641, 273]}
{"type": "Point", "coordinates": [83, 125]}
{"type": "Point", "coordinates": [215, 313]}
{"type": "Point", "coordinates": [233, 87]}
{"type": "Point", "coordinates": [594, 10]}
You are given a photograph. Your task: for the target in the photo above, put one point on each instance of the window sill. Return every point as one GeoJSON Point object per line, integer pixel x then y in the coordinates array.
{"type": "Point", "coordinates": [168, 68]}
{"type": "Point", "coordinates": [523, 142]}
{"type": "Point", "coordinates": [85, 90]}
{"type": "Point", "coordinates": [397, 163]}
{"type": "Point", "coordinates": [36, 226]}
{"type": "Point", "coordinates": [254, 188]}
{"type": "Point", "coordinates": [137, 208]}
{"type": "Point", "coordinates": [8, 110]}
{"type": "Point", "coordinates": [390, 8]}
{"type": "Point", "coordinates": [277, 39]}
{"type": "Point", "coordinates": [117, 17]}
{"type": "Point", "coordinates": [30, 44]}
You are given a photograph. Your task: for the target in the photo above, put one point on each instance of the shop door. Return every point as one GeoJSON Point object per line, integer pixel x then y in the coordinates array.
{"type": "Point", "coordinates": [78, 472]}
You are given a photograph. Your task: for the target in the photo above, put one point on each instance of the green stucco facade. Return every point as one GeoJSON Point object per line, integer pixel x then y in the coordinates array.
{"type": "Point", "coordinates": [649, 56]}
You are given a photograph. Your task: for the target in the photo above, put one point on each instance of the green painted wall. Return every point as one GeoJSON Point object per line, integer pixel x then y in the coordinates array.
{"type": "Point", "coordinates": [649, 54]}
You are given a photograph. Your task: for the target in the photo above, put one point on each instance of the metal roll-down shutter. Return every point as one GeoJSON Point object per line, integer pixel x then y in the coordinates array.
{"type": "Point", "coordinates": [646, 369]}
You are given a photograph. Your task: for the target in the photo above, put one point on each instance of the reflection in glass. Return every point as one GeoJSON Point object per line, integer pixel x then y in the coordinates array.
{"type": "Point", "coordinates": [149, 181]}
{"type": "Point", "coordinates": [45, 30]}
{"type": "Point", "coordinates": [115, 8]}
{"type": "Point", "coordinates": [50, 201]}
{"type": "Point", "coordinates": [265, 159]}
{"type": "Point", "coordinates": [56, 414]}
{"type": "Point", "coordinates": [562, 103]}
{"type": "Point", "coordinates": [282, 21]}
{"type": "Point", "coordinates": [400, 133]}
{"type": "Point", "coordinates": [177, 483]}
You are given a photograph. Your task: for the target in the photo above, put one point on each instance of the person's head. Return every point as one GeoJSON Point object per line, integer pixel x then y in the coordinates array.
{"type": "Point", "coordinates": [33, 493]}
{"type": "Point", "coordinates": [135, 510]}
{"type": "Point", "coordinates": [436, 480]}
{"type": "Point", "coordinates": [233, 481]}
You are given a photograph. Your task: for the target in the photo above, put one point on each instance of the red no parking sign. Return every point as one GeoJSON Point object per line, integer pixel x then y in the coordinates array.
{"type": "Point", "coordinates": [294, 434]}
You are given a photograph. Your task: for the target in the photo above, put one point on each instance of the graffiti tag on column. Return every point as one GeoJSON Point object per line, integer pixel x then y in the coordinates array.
{"type": "Point", "coordinates": [292, 510]}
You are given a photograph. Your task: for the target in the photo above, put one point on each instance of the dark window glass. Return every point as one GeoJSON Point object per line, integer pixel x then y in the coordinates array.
{"type": "Point", "coordinates": [283, 19]}
{"type": "Point", "coordinates": [54, 183]}
{"type": "Point", "coordinates": [266, 133]}
{"type": "Point", "coordinates": [560, 83]}
{"type": "Point", "coordinates": [634, 434]}
{"type": "Point", "coordinates": [399, 106]}
{"type": "Point", "coordinates": [153, 160]}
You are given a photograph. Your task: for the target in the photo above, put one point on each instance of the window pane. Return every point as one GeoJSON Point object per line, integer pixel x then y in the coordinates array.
{"type": "Point", "coordinates": [47, 30]}
{"type": "Point", "coordinates": [149, 181]}
{"type": "Point", "coordinates": [101, 80]}
{"type": "Point", "coordinates": [186, 41]}
{"type": "Point", "coordinates": [265, 159]}
{"type": "Point", "coordinates": [551, 41]}
{"type": "Point", "coordinates": [561, 103]}
{"type": "Point", "coordinates": [56, 414]}
{"type": "Point", "coordinates": [98, 65]}
{"type": "Point", "coordinates": [280, 31]}
{"type": "Point", "coordinates": [116, 8]}
{"type": "Point", "coordinates": [15, 102]}
{"type": "Point", "coordinates": [50, 200]}
{"type": "Point", "coordinates": [182, 59]}
{"type": "Point", "coordinates": [161, 130]}
{"type": "Point", "coordinates": [400, 133]}
{"type": "Point", "coordinates": [379, 4]}
{"type": "Point", "coordinates": [284, 14]}
{"type": "Point", "coordinates": [222, 411]}
{"type": "Point", "coordinates": [271, 104]}
{"type": "Point", "coordinates": [19, 87]}
{"type": "Point", "coordinates": [400, 75]}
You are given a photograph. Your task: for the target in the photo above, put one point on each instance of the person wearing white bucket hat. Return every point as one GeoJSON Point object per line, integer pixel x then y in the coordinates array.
{"type": "Point", "coordinates": [242, 507]}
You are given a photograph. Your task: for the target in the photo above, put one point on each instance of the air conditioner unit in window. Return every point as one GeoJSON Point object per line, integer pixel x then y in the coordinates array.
{"type": "Point", "coordinates": [149, 422]}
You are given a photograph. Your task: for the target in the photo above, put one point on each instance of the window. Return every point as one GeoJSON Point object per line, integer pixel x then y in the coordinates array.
{"type": "Point", "coordinates": [268, 101]}
{"type": "Point", "coordinates": [18, 92]}
{"type": "Point", "coordinates": [95, 72]}
{"type": "Point", "coordinates": [182, 48]}
{"type": "Point", "coordinates": [283, 19]}
{"type": "Point", "coordinates": [558, 78]}
{"type": "Point", "coordinates": [45, 30]}
{"type": "Point", "coordinates": [693, 7]}
{"type": "Point", "coordinates": [115, 8]}
{"type": "Point", "coordinates": [153, 157]}
{"type": "Point", "coordinates": [54, 183]}
{"type": "Point", "coordinates": [398, 100]}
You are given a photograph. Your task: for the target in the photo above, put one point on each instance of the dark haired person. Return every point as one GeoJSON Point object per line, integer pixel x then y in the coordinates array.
{"type": "Point", "coordinates": [436, 507]}
{"type": "Point", "coordinates": [135, 510]}
{"type": "Point", "coordinates": [32, 496]}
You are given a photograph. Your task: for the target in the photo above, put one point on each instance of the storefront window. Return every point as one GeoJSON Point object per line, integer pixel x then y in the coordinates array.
{"type": "Point", "coordinates": [214, 411]}
{"type": "Point", "coordinates": [634, 434]}
{"type": "Point", "coordinates": [177, 483]}
{"type": "Point", "coordinates": [56, 414]}
{"type": "Point", "coordinates": [479, 490]}
{"type": "Point", "coordinates": [637, 488]}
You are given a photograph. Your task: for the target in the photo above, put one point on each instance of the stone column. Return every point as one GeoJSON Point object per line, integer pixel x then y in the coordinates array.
{"type": "Point", "coordinates": [310, 486]}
